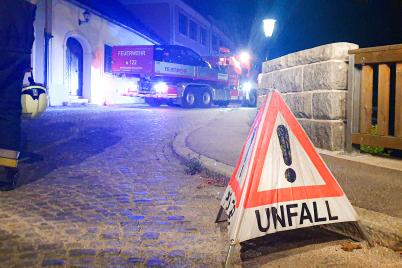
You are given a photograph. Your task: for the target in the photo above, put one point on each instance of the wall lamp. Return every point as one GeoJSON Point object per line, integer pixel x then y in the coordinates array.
{"type": "Point", "coordinates": [86, 15]}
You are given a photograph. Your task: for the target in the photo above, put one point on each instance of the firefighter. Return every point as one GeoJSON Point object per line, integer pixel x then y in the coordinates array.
{"type": "Point", "coordinates": [16, 40]}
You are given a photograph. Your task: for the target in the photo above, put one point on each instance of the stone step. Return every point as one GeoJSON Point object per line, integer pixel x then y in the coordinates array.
{"type": "Point", "coordinates": [76, 101]}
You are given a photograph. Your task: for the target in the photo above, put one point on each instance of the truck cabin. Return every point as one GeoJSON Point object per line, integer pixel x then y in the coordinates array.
{"type": "Point", "coordinates": [179, 55]}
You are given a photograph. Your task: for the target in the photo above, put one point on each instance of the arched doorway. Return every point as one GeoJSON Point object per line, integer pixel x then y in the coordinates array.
{"type": "Point", "coordinates": [74, 67]}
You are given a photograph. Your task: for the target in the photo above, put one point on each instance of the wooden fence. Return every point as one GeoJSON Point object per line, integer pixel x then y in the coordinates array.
{"type": "Point", "coordinates": [375, 86]}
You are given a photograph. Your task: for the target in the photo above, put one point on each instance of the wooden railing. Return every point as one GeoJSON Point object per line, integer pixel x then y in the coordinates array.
{"type": "Point", "coordinates": [375, 77]}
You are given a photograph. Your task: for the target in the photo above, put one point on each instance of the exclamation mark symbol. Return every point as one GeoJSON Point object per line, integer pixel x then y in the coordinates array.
{"type": "Point", "coordinates": [283, 136]}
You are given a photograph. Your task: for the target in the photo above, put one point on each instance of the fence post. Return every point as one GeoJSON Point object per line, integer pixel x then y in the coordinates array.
{"type": "Point", "coordinates": [383, 99]}
{"type": "Point", "coordinates": [398, 101]}
{"type": "Point", "coordinates": [353, 103]}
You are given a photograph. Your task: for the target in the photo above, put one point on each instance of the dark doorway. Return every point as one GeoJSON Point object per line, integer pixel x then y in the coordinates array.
{"type": "Point", "coordinates": [74, 67]}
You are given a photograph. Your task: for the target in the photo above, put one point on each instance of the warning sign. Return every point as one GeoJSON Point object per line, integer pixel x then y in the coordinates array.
{"type": "Point", "coordinates": [236, 184]}
{"type": "Point", "coordinates": [280, 181]}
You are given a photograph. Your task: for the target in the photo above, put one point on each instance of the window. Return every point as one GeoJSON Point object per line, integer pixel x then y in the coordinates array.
{"type": "Point", "coordinates": [193, 30]}
{"type": "Point", "coordinates": [107, 59]}
{"type": "Point", "coordinates": [203, 36]}
{"type": "Point", "coordinates": [183, 24]}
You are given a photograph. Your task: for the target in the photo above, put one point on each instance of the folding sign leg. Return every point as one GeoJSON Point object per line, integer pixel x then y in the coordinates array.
{"type": "Point", "coordinates": [221, 217]}
{"type": "Point", "coordinates": [364, 233]}
{"type": "Point", "coordinates": [229, 255]}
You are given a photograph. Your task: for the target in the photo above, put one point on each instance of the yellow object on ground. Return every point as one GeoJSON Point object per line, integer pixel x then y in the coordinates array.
{"type": "Point", "coordinates": [8, 162]}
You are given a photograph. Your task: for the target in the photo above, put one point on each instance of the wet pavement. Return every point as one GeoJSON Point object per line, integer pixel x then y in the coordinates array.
{"type": "Point", "coordinates": [101, 187]}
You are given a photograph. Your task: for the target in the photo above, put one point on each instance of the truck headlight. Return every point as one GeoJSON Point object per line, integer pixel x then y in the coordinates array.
{"type": "Point", "coordinates": [246, 87]}
{"type": "Point", "coordinates": [161, 87]}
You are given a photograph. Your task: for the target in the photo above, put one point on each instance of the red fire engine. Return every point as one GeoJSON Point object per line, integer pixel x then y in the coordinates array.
{"type": "Point", "coordinates": [238, 67]}
{"type": "Point", "coordinates": [171, 74]}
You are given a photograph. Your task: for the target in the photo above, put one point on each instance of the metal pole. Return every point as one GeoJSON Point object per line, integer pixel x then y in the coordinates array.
{"type": "Point", "coordinates": [48, 36]}
{"type": "Point", "coordinates": [353, 102]}
{"type": "Point", "coordinates": [350, 103]}
{"type": "Point", "coordinates": [229, 254]}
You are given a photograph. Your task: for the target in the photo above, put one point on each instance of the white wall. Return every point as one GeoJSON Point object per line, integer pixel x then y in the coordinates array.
{"type": "Point", "coordinates": [38, 47]}
{"type": "Point", "coordinates": [98, 87]}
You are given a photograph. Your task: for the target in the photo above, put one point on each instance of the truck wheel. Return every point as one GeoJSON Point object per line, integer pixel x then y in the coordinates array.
{"type": "Point", "coordinates": [189, 99]}
{"type": "Point", "coordinates": [206, 99]}
{"type": "Point", "coordinates": [252, 101]}
{"type": "Point", "coordinates": [244, 102]}
{"type": "Point", "coordinates": [153, 102]}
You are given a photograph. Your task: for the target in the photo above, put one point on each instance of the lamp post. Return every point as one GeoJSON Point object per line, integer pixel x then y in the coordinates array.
{"type": "Point", "coordinates": [268, 26]}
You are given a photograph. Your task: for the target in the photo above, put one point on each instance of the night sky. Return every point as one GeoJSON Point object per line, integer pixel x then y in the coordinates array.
{"type": "Point", "coordinates": [304, 24]}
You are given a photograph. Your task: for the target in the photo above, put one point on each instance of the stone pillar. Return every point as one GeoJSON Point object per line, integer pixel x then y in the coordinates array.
{"type": "Point", "coordinates": [313, 83]}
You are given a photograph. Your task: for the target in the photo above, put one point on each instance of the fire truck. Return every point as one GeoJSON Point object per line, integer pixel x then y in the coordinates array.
{"type": "Point", "coordinates": [172, 75]}
{"type": "Point", "coordinates": [243, 87]}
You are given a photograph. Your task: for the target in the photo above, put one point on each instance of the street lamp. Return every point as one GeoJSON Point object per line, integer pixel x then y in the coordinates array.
{"type": "Point", "coordinates": [269, 26]}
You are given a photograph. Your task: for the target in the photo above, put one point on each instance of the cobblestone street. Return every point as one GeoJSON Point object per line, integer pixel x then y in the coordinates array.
{"type": "Point", "coordinates": [101, 187]}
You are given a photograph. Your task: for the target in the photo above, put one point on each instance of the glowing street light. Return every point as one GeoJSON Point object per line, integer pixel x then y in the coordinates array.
{"type": "Point", "coordinates": [269, 26]}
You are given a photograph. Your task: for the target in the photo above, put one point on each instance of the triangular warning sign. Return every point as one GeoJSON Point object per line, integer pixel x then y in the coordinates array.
{"type": "Point", "coordinates": [280, 181]}
{"type": "Point", "coordinates": [236, 182]}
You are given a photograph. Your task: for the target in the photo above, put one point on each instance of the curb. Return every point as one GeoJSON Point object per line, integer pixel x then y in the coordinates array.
{"type": "Point", "coordinates": [211, 166]}
{"type": "Point", "coordinates": [383, 229]}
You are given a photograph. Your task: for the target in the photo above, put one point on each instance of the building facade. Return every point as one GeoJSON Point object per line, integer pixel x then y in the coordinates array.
{"type": "Point", "coordinates": [72, 50]}
{"type": "Point", "coordinates": [176, 23]}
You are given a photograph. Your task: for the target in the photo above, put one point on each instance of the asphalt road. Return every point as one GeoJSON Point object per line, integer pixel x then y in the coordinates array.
{"type": "Point", "coordinates": [101, 187]}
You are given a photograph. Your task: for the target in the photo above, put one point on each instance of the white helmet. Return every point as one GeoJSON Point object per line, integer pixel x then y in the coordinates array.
{"type": "Point", "coordinates": [33, 100]}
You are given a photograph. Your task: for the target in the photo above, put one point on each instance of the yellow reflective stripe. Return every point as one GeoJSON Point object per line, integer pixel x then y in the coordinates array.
{"type": "Point", "coordinates": [7, 162]}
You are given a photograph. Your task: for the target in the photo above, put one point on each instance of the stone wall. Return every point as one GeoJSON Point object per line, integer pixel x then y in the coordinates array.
{"type": "Point", "coordinates": [314, 84]}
